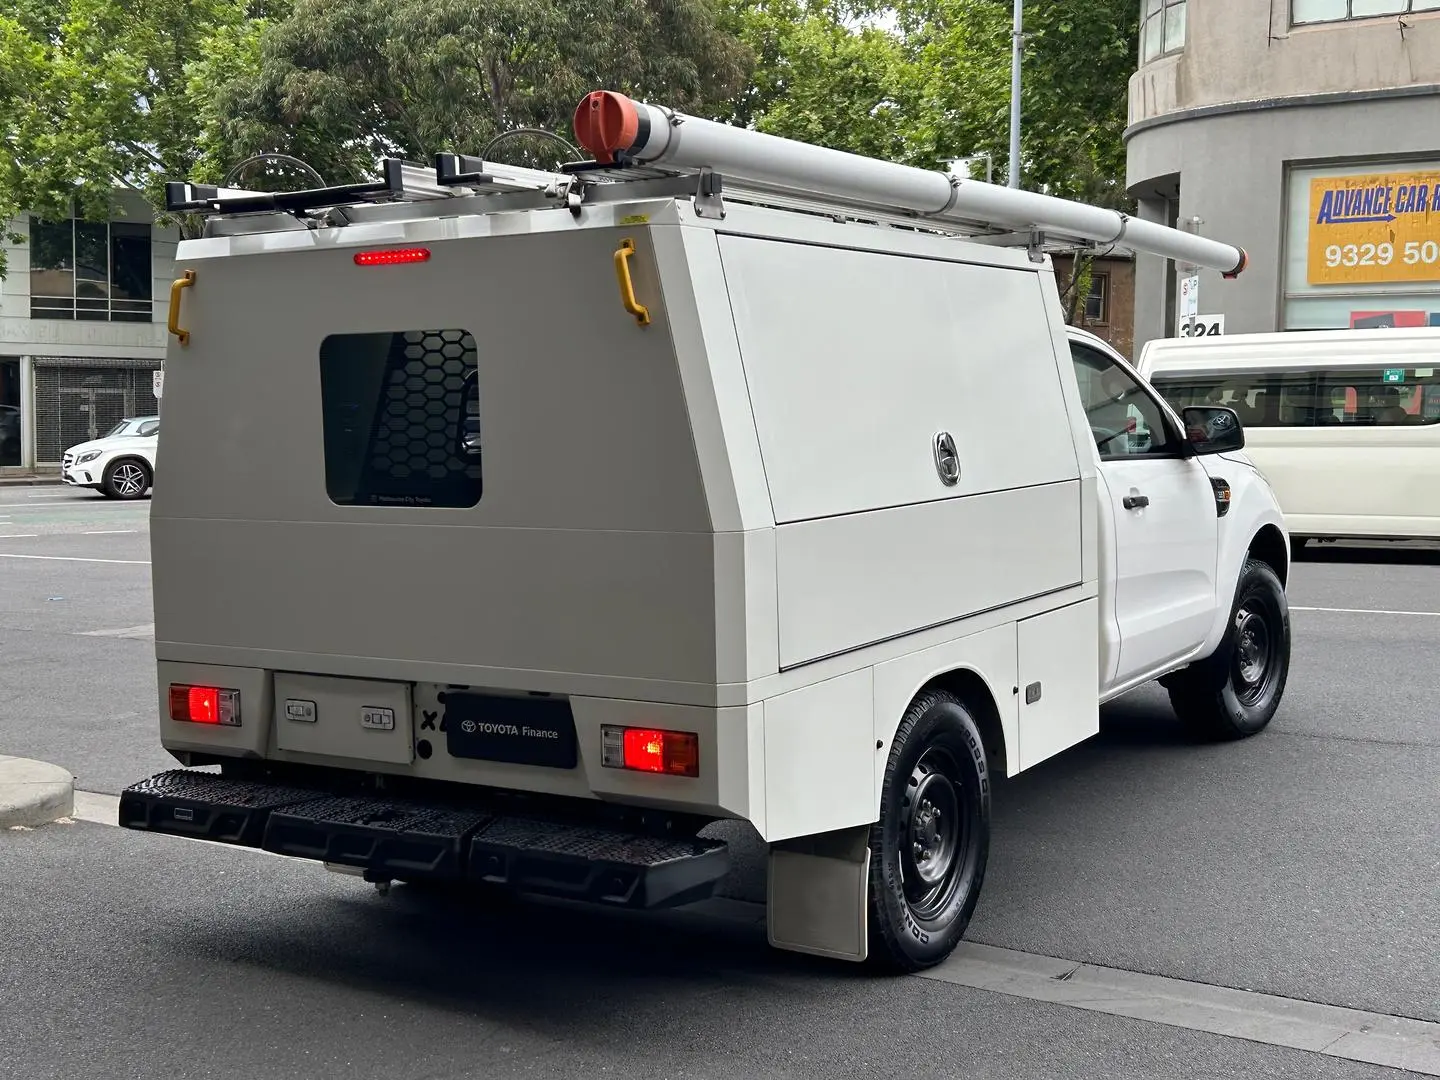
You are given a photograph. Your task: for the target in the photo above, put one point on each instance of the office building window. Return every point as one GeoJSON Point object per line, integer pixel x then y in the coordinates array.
{"type": "Point", "coordinates": [90, 270]}
{"type": "Point", "coordinates": [1162, 28]}
{"type": "Point", "coordinates": [1318, 11]}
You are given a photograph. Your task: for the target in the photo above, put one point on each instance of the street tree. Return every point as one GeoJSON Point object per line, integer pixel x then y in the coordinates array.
{"type": "Point", "coordinates": [95, 98]}
{"type": "Point", "coordinates": [1079, 55]}
{"type": "Point", "coordinates": [823, 73]}
{"type": "Point", "coordinates": [340, 83]}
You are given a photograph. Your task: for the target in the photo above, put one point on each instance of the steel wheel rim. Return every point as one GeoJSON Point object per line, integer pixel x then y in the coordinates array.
{"type": "Point", "coordinates": [1254, 660]}
{"type": "Point", "coordinates": [934, 834]}
{"type": "Point", "coordinates": [129, 480]}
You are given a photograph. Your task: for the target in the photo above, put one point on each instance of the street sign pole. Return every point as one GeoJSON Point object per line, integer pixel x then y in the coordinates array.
{"type": "Point", "coordinates": [1017, 53]}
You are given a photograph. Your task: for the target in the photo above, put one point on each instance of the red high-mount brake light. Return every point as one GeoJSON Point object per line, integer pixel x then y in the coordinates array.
{"type": "Point", "coordinates": [673, 753]}
{"type": "Point", "coordinates": [392, 257]}
{"type": "Point", "coordinates": [204, 705]}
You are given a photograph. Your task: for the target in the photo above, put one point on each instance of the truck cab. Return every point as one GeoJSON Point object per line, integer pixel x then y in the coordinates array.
{"type": "Point", "coordinates": [1180, 530]}
{"type": "Point", "coordinates": [550, 519]}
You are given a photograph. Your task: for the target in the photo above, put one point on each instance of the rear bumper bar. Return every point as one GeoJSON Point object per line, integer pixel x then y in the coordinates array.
{"type": "Point", "coordinates": [409, 840]}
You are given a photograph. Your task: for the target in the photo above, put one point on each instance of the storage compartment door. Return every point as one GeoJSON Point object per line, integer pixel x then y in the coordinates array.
{"type": "Point", "coordinates": [1059, 656]}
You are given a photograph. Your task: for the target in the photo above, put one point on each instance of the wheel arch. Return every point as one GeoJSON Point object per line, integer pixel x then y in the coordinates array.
{"type": "Point", "coordinates": [1270, 547]}
{"type": "Point", "coordinates": [975, 693]}
{"type": "Point", "coordinates": [123, 457]}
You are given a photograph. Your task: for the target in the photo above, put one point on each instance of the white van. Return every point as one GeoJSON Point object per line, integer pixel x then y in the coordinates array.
{"type": "Point", "coordinates": [1345, 424]}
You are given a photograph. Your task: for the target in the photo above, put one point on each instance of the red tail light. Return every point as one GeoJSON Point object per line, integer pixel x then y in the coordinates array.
{"type": "Point", "coordinates": [392, 257]}
{"type": "Point", "coordinates": [674, 753]}
{"type": "Point", "coordinates": [204, 705]}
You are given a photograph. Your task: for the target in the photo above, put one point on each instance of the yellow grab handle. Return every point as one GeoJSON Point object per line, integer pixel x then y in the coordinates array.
{"type": "Point", "coordinates": [184, 281]}
{"type": "Point", "coordinates": [627, 287]}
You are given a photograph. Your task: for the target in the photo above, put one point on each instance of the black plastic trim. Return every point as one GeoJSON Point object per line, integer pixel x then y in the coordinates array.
{"type": "Point", "coordinates": [187, 198]}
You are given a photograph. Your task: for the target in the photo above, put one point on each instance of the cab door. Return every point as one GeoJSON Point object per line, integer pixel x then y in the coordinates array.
{"type": "Point", "coordinates": [1164, 528]}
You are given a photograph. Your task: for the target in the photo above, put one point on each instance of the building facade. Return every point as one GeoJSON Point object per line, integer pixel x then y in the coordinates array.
{"type": "Point", "coordinates": [1107, 308]}
{"type": "Point", "coordinates": [83, 310]}
{"type": "Point", "coordinates": [1305, 131]}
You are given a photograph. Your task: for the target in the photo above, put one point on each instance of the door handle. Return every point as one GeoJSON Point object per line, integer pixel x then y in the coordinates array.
{"type": "Point", "coordinates": [1135, 502]}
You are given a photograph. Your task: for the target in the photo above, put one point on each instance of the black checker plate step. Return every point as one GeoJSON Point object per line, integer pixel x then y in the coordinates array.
{"type": "Point", "coordinates": [596, 863]}
{"type": "Point", "coordinates": [206, 806]}
{"type": "Point", "coordinates": [390, 837]}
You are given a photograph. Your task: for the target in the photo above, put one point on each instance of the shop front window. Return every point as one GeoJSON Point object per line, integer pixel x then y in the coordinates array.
{"type": "Point", "coordinates": [1360, 246]}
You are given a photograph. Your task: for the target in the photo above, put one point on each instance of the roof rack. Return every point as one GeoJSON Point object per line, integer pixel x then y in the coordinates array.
{"type": "Point", "coordinates": [643, 151]}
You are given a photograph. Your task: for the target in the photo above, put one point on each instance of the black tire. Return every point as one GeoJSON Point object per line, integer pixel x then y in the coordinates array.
{"type": "Point", "coordinates": [1234, 693]}
{"type": "Point", "coordinates": [127, 478]}
{"type": "Point", "coordinates": [925, 878]}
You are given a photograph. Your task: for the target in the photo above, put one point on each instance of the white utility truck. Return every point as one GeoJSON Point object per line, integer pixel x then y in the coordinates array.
{"type": "Point", "coordinates": [519, 525]}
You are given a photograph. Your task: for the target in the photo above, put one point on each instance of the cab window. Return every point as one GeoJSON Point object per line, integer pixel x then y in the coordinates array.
{"type": "Point", "coordinates": [1125, 420]}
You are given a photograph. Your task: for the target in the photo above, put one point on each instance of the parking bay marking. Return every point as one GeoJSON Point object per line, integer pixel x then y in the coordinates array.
{"type": "Point", "coordinates": [1352, 1034]}
{"type": "Point", "coordinates": [1367, 611]}
{"type": "Point", "coordinates": [1330, 1030]}
{"type": "Point", "coordinates": [76, 558]}
{"type": "Point", "coordinates": [147, 630]}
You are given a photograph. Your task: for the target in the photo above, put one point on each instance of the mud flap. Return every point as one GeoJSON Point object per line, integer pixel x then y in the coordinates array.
{"type": "Point", "coordinates": [818, 894]}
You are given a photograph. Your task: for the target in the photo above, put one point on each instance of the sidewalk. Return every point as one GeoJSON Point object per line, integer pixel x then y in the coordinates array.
{"type": "Point", "coordinates": [33, 793]}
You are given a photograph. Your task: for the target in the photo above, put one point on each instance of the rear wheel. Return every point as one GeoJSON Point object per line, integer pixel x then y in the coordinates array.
{"type": "Point", "coordinates": [929, 847]}
{"type": "Point", "coordinates": [126, 479]}
{"type": "Point", "coordinates": [1235, 692]}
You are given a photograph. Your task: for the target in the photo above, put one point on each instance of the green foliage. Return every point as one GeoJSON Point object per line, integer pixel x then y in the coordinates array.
{"type": "Point", "coordinates": [1078, 58]}
{"type": "Point", "coordinates": [95, 98]}
{"type": "Point", "coordinates": [96, 94]}
{"type": "Point", "coordinates": [343, 82]}
{"type": "Point", "coordinates": [819, 78]}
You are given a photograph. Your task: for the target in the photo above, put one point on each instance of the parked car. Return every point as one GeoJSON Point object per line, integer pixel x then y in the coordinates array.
{"type": "Point", "coordinates": [120, 464]}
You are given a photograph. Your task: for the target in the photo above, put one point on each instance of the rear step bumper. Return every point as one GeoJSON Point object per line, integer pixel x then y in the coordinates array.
{"type": "Point", "coordinates": [409, 840]}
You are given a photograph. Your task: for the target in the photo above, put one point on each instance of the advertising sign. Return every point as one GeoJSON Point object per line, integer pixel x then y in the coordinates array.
{"type": "Point", "coordinates": [1376, 229]}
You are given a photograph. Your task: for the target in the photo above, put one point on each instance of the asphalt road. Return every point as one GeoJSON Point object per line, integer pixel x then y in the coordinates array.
{"type": "Point", "coordinates": [1304, 863]}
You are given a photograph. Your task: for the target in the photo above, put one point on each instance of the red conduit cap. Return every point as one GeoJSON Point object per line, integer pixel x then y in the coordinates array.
{"type": "Point", "coordinates": [605, 123]}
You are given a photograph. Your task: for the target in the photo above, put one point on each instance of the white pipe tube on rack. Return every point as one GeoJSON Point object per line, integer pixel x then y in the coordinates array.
{"type": "Point", "coordinates": [611, 126]}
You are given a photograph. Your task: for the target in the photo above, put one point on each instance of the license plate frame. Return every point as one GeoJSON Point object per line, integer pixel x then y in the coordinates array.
{"type": "Point", "coordinates": [538, 731]}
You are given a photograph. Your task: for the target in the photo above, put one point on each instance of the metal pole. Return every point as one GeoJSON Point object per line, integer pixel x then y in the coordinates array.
{"type": "Point", "coordinates": [1017, 48]}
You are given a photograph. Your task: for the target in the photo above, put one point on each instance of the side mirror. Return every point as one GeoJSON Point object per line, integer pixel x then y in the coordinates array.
{"type": "Point", "coordinates": [1212, 430]}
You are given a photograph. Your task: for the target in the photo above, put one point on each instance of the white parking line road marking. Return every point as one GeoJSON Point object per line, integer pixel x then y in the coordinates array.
{"type": "Point", "coordinates": [49, 495]}
{"type": "Point", "coordinates": [109, 532]}
{"type": "Point", "coordinates": [1352, 1034]}
{"type": "Point", "coordinates": [18, 536]}
{"type": "Point", "coordinates": [1366, 611]}
{"type": "Point", "coordinates": [75, 558]}
{"type": "Point", "coordinates": [145, 631]}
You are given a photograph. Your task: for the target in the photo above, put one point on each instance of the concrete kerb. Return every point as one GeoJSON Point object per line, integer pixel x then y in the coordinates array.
{"type": "Point", "coordinates": [30, 481]}
{"type": "Point", "coordinates": [33, 793]}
